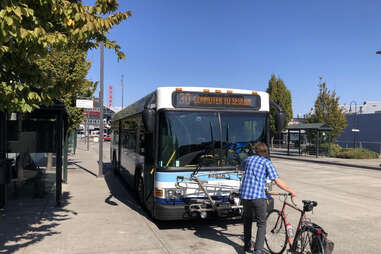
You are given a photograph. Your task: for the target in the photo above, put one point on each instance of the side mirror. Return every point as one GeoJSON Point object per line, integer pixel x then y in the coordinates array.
{"type": "Point", "coordinates": [149, 119]}
{"type": "Point", "coordinates": [280, 121]}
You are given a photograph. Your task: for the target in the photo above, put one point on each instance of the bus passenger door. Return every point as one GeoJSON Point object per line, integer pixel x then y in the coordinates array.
{"type": "Point", "coordinates": [149, 155]}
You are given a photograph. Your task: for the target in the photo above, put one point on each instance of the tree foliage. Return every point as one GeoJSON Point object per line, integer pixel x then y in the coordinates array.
{"type": "Point", "coordinates": [282, 96]}
{"type": "Point", "coordinates": [328, 111]}
{"type": "Point", "coordinates": [67, 70]}
{"type": "Point", "coordinates": [30, 29]}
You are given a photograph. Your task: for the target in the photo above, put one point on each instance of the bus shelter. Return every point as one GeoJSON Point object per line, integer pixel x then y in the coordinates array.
{"type": "Point", "coordinates": [309, 138]}
{"type": "Point", "coordinates": [31, 153]}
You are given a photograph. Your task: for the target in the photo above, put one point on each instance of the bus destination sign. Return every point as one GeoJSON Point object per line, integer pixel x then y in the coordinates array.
{"type": "Point", "coordinates": [215, 100]}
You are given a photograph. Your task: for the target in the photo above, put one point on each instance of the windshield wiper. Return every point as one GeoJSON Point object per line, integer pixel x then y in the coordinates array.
{"type": "Point", "coordinates": [211, 137]}
{"type": "Point", "coordinates": [208, 156]}
{"type": "Point", "coordinates": [227, 141]}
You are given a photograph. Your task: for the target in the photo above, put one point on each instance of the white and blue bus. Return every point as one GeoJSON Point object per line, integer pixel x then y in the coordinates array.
{"type": "Point", "coordinates": [175, 132]}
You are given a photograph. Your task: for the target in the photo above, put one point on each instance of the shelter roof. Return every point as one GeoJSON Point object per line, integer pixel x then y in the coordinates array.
{"type": "Point", "coordinates": [310, 126]}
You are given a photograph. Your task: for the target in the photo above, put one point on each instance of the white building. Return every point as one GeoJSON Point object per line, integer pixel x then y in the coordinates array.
{"type": "Point", "coordinates": [368, 107]}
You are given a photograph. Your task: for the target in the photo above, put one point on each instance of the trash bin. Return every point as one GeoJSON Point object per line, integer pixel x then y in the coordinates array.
{"type": "Point", "coordinates": [5, 178]}
{"type": "Point", "coordinates": [5, 172]}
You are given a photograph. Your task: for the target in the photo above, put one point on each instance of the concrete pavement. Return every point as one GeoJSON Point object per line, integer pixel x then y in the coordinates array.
{"type": "Point", "coordinates": [97, 216]}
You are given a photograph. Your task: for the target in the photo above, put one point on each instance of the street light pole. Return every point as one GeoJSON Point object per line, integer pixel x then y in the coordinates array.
{"type": "Point", "coordinates": [101, 131]}
{"type": "Point", "coordinates": [355, 129]}
{"type": "Point", "coordinates": [121, 83]}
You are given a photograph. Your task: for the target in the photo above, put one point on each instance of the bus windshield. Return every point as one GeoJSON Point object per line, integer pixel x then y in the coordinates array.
{"type": "Point", "coordinates": [208, 139]}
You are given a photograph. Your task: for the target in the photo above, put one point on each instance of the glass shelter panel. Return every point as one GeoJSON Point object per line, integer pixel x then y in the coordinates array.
{"type": "Point", "coordinates": [31, 151]}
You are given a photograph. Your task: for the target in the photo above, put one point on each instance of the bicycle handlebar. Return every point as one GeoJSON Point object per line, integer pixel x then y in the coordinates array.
{"type": "Point", "coordinates": [285, 195]}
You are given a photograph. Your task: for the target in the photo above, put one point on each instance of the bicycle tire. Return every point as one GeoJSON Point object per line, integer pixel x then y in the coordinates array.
{"type": "Point", "coordinates": [308, 241]}
{"type": "Point", "coordinates": [276, 233]}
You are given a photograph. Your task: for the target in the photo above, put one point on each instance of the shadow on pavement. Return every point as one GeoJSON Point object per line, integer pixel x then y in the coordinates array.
{"type": "Point", "coordinates": [219, 232]}
{"type": "Point", "coordinates": [120, 190]}
{"type": "Point", "coordinates": [28, 221]}
{"type": "Point", "coordinates": [85, 169]}
{"type": "Point", "coordinates": [213, 229]}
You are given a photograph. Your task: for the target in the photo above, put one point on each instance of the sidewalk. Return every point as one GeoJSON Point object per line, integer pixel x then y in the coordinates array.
{"type": "Point", "coordinates": [93, 217]}
{"type": "Point", "coordinates": [357, 163]}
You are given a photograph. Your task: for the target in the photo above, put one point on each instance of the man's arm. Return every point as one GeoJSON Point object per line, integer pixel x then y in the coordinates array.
{"type": "Point", "coordinates": [284, 186]}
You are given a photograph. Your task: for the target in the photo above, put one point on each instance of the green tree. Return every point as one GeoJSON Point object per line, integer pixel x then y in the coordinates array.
{"type": "Point", "coordinates": [66, 70]}
{"type": "Point", "coordinates": [30, 29]}
{"type": "Point", "coordinates": [282, 96]}
{"type": "Point", "coordinates": [328, 111]}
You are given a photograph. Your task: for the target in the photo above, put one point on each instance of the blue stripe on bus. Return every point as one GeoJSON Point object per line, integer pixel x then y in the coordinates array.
{"type": "Point", "coordinates": [172, 176]}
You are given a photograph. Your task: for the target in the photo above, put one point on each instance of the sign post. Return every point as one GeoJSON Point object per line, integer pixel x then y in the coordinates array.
{"type": "Point", "coordinates": [355, 132]}
{"type": "Point", "coordinates": [86, 104]}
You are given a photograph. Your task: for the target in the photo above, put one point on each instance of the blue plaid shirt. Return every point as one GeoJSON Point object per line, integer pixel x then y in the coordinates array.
{"type": "Point", "coordinates": [257, 169]}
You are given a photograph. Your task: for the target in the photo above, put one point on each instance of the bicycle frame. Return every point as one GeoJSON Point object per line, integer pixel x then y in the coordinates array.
{"type": "Point", "coordinates": [283, 213]}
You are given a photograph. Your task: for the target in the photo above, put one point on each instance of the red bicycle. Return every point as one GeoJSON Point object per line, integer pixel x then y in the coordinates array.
{"type": "Point", "coordinates": [309, 237]}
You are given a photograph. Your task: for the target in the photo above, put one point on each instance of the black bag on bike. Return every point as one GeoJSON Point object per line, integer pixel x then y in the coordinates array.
{"type": "Point", "coordinates": [328, 245]}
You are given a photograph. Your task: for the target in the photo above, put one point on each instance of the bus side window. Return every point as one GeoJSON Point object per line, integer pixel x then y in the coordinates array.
{"type": "Point", "coordinates": [124, 139]}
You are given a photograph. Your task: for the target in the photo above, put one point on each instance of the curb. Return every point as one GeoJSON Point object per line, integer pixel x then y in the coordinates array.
{"type": "Point", "coordinates": [327, 162]}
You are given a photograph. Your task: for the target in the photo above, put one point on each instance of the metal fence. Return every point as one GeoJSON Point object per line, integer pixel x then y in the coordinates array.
{"type": "Point", "coordinates": [308, 149]}
{"type": "Point", "coordinates": [304, 149]}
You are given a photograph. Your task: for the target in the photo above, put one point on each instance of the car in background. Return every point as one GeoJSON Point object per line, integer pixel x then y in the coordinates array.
{"type": "Point", "coordinates": [80, 134]}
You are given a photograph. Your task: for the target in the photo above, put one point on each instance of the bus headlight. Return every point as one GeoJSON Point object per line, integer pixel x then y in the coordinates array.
{"type": "Point", "coordinates": [174, 193]}
{"type": "Point", "coordinates": [171, 194]}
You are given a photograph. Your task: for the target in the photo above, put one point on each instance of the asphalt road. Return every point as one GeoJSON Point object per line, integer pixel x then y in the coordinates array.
{"type": "Point", "coordinates": [349, 200]}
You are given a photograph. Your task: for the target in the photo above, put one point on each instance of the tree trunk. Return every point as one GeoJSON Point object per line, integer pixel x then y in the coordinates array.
{"type": "Point", "coordinates": [272, 143]}
{"type": "Point", "coordinates": [50, 162]}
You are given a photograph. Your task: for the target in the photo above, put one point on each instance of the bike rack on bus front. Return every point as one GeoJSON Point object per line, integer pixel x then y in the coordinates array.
{"type": "Point", "coordinates": [202, 207]}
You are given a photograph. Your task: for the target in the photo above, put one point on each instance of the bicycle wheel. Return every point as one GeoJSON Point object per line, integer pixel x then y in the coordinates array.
{"type": "Point", "coordinates": [308, 241]}
{"type": "Point", "coordinates": [276, 234]}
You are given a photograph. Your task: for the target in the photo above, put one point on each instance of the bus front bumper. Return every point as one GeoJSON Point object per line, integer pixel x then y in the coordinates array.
{"type": "Point", "coordinates": [196, 210]}
{"type": "Point", "coordinates": [170, 212]}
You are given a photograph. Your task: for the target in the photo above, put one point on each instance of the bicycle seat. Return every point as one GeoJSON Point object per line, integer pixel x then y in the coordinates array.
{"type": "Point", "coordinates": [308, 205]}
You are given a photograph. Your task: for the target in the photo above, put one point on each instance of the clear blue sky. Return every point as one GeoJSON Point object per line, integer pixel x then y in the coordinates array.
{"type": "Point", "coordinates": [240, 43]}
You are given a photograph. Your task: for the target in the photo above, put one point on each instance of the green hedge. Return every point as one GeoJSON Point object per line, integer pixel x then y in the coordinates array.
{"type": "Point", "coordinates": [352, 153]}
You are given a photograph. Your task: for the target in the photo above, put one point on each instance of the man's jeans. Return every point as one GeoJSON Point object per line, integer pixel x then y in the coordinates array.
{"type": "Point", "coordinates": [254, 209]}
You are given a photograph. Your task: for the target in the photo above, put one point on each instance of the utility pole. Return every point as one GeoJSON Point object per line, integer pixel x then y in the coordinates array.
{"type": "Point", "coordinates": [87, 133]}
{"type": "Point", "coordinates": [121, 83]}
{"type": "Point", "coordinates": [101, 131]}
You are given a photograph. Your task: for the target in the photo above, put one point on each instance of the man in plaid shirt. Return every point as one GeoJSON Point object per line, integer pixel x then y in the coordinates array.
{"type": "Point", "coordinates": [257, 168]}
